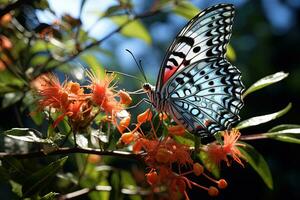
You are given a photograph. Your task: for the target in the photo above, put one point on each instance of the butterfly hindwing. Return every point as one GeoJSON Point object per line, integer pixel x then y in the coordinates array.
{"type": "Point", "coordinates": [205, 36]}
{"type": "Point", "coordinates": [205, 96]}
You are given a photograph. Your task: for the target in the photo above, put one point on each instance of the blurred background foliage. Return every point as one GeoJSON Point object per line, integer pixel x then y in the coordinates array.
{"type": "Point", "coordinates": [72, 35]}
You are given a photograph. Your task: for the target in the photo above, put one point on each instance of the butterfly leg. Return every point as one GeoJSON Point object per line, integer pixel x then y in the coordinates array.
{"type": "Point", "coordinates": [144, 100]}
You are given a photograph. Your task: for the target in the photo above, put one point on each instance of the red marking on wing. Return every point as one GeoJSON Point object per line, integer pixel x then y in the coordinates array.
{"type": "Point", "coordinates": [199, 127]}
{"type": "Point", "coordinates": [207, 122]}
{"type": "Point", "coordinates": [168, 73]}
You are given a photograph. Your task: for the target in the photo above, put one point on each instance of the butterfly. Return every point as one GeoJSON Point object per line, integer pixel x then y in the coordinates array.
{"type": "Point", "coordinates": [197, 86]}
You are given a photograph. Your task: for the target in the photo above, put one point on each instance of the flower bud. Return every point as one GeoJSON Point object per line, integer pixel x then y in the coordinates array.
{"type": "Point", "coordinates": [124, 97]}
{"type": "Point", "coordinates": [222, 184]}
{"type": "Point", "coordinates": [145, 116]}
{"type": "Point", "coordinates": [127, 137]}
{"type": "Point", "coordinates": [213, 191]}
{"type": "Point", "coordinates": [124, 123]}
{"type": "Point", "coordinates": [152, 178]}
{"type": "Point", "coordinates": [198, 169]}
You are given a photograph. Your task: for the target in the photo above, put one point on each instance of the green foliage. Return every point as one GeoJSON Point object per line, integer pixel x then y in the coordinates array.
{"type": "Point", "coordinates": [266, 81]}
{"type": "Point", "coordinates": [258, 163]}
{"type": "Point", "coordinates": [285, 133]}
{"type": "Point", "coordinates": [209, 164]}
{"type": "Point", "coordinates": [27, 135]}
{"type": "Point", "coordinates": [254, 121]}
{"type": "Point", "coordinates": [134, 29]}
{"type": "Point", "coordinates": [39, 179]}
{"type": "Point", "coordinates": [185, 9]}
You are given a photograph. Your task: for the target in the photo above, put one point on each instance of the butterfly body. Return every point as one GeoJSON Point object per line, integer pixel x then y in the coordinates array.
{"type": "Point", "coordinates": [197, 86]}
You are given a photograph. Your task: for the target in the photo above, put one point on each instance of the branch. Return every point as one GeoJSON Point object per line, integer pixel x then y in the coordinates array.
{"type": "Point", "coordinates": [98, 42]}
{"type": "Point", "coordinates": [63, 151]}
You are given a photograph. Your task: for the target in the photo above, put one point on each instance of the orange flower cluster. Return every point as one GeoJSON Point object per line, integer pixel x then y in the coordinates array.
{"type": "Point", "coordinates": [163, 156]}
{"type": "Point", "coordinates": [71, 100]}
{"type": "Point", "coordinates": [217, 152]}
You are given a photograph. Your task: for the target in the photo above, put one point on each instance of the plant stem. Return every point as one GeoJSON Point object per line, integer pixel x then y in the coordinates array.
{"type": "Point", "coordinates": [253, 136]}
{"type": "Point", "coordinates": [66, 150]}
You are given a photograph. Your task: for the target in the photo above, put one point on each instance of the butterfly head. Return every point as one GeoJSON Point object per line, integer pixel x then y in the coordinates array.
{"type": "Point", "coordinates": [148, 88]}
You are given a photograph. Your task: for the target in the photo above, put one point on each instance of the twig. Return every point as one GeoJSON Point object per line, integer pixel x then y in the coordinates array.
{"type": "Point", "coordinates": [253, 137]}
{"type": "Point", "coordinates": [65, 150]}
{"type": "Point", "coordinates": [98, 42]}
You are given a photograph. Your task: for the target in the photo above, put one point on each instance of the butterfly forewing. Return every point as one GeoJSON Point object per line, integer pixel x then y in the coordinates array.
{"type": "Point", "coordinates": [197, 86]}
{"type": "Point", "coordinates": [205, 96]}
{"type": "Point", "coordinates": [205, 36]}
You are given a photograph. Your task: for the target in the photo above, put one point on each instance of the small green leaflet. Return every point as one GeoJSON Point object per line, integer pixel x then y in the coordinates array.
{"type": "Point", "coordinates": [258, 163]}
{"type": "Point", "coordinates": [268, 80]}
{"type": "Point", "coordinates": [263, 118]}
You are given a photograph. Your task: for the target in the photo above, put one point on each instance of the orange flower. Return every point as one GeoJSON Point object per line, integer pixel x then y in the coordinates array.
{"type": "Point", "coordinates": [102, 93]}
{"type": "Point", "coordinates": [167, 151]}
{"type": "Point", "coordinates": [67, 98]}
{"type": "Point", "coordinates": [51, 92]}
{"type": "Point", "coordinates": [217, 152]}
{"type": "Point", "coordinates": [5, 20]}
{"type": "Point", "coordinates": [5, 43]}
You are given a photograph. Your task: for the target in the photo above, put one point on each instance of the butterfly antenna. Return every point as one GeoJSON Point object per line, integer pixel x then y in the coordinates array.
{"type": "Point", "coordinates": [124, 74]}
{"type": "Point", "coordinates": [138, 65]}
{"type": "Point", "coordinates": [142, 71]}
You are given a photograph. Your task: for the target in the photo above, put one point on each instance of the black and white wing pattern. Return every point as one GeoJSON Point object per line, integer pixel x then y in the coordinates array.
{"type": "Point", "coordinates": [205, 36]}
{"type": "Point", "coordinates": [205, 96]}
{"type": "Point", "coordinates": [202, 90]}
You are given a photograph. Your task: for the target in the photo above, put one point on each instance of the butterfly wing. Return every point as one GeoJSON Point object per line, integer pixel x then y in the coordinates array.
{"type": "Point", "coordinates": [205, 96]}
{"type": "Point", "coordinates": [205, 36]}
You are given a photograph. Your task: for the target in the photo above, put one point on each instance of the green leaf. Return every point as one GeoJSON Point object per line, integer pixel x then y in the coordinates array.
{"type": "Point", "coordinates": [263, 119]}
{"type": "Point", "coordinates": [27, 135]}
{"type": "Point", "coordinates": [112, 10]}
{"type": "Point", "coordinates": [16, 188]}
{"type": "Point", "coordinates": [134, 28]}
{"type": "Point", "coordinates": [93, 63]}
{"type": "Point", "coordinates": [14, 166]}
{"type": "Point", "coordinates": [285, 133]}
{"type": "Point", "coordinates": [258, 163]}
{"type": "Point", "coordinates": [128, 182]}
{"type": "Point", "coordinates": [186, 9]}
{"type": "Point", "coordinates": [41, 178]}
{"type": "Point", "coordinates": [209, 165]}
{"type": "Point", "coordinates": [116, 186]}
{"type": "Point", "coordinates": [127, 179]}
{"type": "Point", "coordinates": [50, 196]}
{"type": "Point", "coordinates": [9, 82]}
{"type": "Point", "coordinates": [231, 53]}
{"type": "Point", "coordinates": [11, 98]}
{"type": "Point", "coordinates": [268, 80]}
{"type": "Point", "coordinates": [185, 140]}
